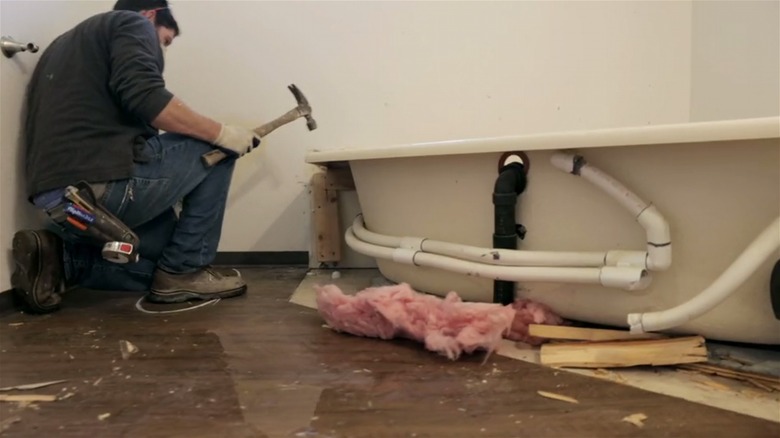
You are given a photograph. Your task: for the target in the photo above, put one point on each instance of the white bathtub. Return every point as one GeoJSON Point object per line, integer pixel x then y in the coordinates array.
{"type": "Point", "coordinates": [717, 184]}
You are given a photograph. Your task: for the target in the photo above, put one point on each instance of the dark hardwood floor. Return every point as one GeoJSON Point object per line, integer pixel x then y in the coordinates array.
{"type": "Point", "coordinates": [258, 366]}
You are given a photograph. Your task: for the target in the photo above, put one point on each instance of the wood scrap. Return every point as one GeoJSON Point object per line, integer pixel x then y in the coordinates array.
{"type": "Point", "coordinates": [559, 397]}
{"type": "Point", "coordinates": [609, 375]}
{"type": "Point", "coordinates": [636, 419]}
{"type": "Point", "coordinates": [587, 334]}
{"type": "Point", "coordinates": [618, 354]}
{"type": "Point", "coordinates": [765, 382]}
{"type": "Point", "coordinates": [127, 349]}
{"type": "Point", "coordinates": [32, 385]}
{"type": "Point", "coordinates": [28, 398]}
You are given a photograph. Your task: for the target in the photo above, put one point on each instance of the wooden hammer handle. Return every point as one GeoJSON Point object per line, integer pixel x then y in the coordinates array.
{"type": "Point", "coordinates": [215, 156]}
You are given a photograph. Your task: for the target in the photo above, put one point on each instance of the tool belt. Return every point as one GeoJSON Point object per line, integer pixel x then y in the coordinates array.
{"type": "Point", "coordinates": [80, 212]}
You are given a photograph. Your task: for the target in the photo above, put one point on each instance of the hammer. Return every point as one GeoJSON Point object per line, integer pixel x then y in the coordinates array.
{"type": "Point", "coordinates": [302, 110]}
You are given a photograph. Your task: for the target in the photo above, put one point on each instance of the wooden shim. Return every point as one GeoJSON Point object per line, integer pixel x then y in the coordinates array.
{"type": "Point", "coordinates": [586, 334]}
{"type": "Point", "coordinates": [618, 354]}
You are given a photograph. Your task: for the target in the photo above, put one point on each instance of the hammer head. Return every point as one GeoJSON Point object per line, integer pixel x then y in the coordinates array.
{"type": "Point", "coordinates": [304, 106]}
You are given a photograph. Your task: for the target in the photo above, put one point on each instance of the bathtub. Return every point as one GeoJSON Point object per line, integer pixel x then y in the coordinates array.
{"type": "Point", "coordinates": [715, 185]}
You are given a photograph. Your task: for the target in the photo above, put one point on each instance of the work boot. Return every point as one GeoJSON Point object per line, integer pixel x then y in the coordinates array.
{"type": "Point", "coordinates": [204, 284]}
{"type": "Point", "coordinates": [38, 278]}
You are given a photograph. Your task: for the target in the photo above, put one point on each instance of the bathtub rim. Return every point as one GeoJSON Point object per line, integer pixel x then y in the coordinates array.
{"type": "Point", "coordinates": [761, 128]}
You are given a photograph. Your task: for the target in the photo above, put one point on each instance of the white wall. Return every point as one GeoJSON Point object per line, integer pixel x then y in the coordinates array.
{"type": "Point", "coordinates": [26, 21]}
{"type": "Point", "coordinates": [379, 73]}
{"type": "Point", "coordinates": [735, 62]}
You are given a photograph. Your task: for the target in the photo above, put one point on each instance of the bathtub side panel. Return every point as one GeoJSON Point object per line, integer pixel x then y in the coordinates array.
{"type": "Point", "coordinates": [716, 197]}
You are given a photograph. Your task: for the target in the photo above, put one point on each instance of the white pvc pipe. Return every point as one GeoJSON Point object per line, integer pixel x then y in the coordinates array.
{"type": "Point", "coordinates": [503, 257]}
{"type": "Point", "coordinates": [513, 257]}
{"type": "Point", "coordinates": [566, 162]}
{"type": "Point", "coordinates": [764, 246]}
{"type": "Point", "coordinates": [372, 237]}
{"type": "Point", "coordinates": [659, 247]}
{"type": "Point", "coordinates": [630, 278]}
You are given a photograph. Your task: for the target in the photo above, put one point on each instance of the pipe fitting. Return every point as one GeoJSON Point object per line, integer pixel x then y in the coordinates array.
{"type": "Point", "coordinates": [625, 278]}
{"type": "Point", "coordinates": [404, 255]}
{"type": "Point", "coordinates": [413, 243]}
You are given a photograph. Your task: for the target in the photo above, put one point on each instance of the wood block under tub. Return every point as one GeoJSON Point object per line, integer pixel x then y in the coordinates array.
{"type": "Point", "coordinates": [618, 354]}
{"type": "Point", "coordinates": [325, 187]}
{"type": "Point", "coordinates": [586, 334]}
{"type": "Point", "coordinates": [325, 215]}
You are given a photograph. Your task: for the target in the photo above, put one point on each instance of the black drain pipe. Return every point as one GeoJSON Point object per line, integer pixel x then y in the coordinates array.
{"type": "Point", "coordinates": [509, 185]}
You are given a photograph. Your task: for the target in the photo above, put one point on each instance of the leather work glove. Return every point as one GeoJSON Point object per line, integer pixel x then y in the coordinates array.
{"type": "Point", "coordinates": [237, 139]}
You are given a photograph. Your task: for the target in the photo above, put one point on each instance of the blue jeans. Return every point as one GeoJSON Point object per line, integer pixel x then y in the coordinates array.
{"type": "Point", "coordinates": [145, 203]}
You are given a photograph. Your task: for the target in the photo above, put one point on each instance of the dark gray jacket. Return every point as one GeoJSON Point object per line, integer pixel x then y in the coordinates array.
{"type": "Point", "coordinates": [90, 101]}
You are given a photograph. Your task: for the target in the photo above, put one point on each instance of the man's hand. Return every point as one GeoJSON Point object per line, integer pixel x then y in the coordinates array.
{"type": "Point", "coordinates": [239, 140]}
{"type": "Point", "coordinates": [179, 118]}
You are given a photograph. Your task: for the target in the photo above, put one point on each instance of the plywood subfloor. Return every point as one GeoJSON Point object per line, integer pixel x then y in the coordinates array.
{"type": "Point", "coordinates": [260, 366]}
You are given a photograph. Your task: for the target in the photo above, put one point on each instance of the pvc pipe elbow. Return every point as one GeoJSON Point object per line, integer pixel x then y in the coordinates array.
{"type": "Point", "coordinates": [628, 278]}
{"type": "Point", "coordinates": [659, 258]}
{"type": "Point", "coordinates": [656, 226]}
{"type": "Point", "coordinates": [659, 239]}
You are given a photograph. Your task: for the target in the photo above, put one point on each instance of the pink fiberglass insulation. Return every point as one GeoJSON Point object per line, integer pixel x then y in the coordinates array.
{"type": "Point", "coordinates": [530, 312]}
{"type": "Point", "coordinates": [447, 326]}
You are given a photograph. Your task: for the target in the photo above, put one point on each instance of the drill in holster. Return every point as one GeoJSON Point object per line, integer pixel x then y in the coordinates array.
{"type": "Point", "coordinates": [80, 212]}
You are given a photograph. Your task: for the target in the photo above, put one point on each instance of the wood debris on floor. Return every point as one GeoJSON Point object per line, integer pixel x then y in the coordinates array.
{"type": "Point", "coordinates": [27, 398]}
{"type": "Point", "coordinates": [32, 386]}
{"type": "Point", "coordinates": [616, 354]}
{"type": "Point", "coordinates": [554, 396]}
{"type": "Point", "coordinates": [767, 383]}
{"type": "Point", "coordinates": [637, 419]}
{"type": "Point", "coordinates": [615, 349]}
{"type": "Point", "coordinates": [577, 347]}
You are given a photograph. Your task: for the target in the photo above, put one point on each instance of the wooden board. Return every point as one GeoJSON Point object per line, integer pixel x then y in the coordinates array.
{"type": "Point", "coordinates": [586, 334]}
{"type": "Point", "coordinates": [655, 352]}
{"type": "Point", "coordinates": [325, 215]}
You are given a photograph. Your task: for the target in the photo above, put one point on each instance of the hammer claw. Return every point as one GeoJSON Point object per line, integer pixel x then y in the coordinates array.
{"type": "Point", "coordinates": [298, 95]}
{"type": "Point", "coordinates": [303, 106]}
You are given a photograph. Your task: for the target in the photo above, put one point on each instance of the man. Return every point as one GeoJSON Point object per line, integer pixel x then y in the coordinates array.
{"type": "Point", "coordinates": [96, 102]}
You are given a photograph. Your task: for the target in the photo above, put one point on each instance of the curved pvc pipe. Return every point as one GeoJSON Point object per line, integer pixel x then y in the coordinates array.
{"type": "Point", "coordinates": [764, 246]}
{"type": "Point", "coordinates": [630, 278]}
{"type": "Point", "coordinates": [503, 257]}
{"type": "Point", "coordinates": [659, 242]}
